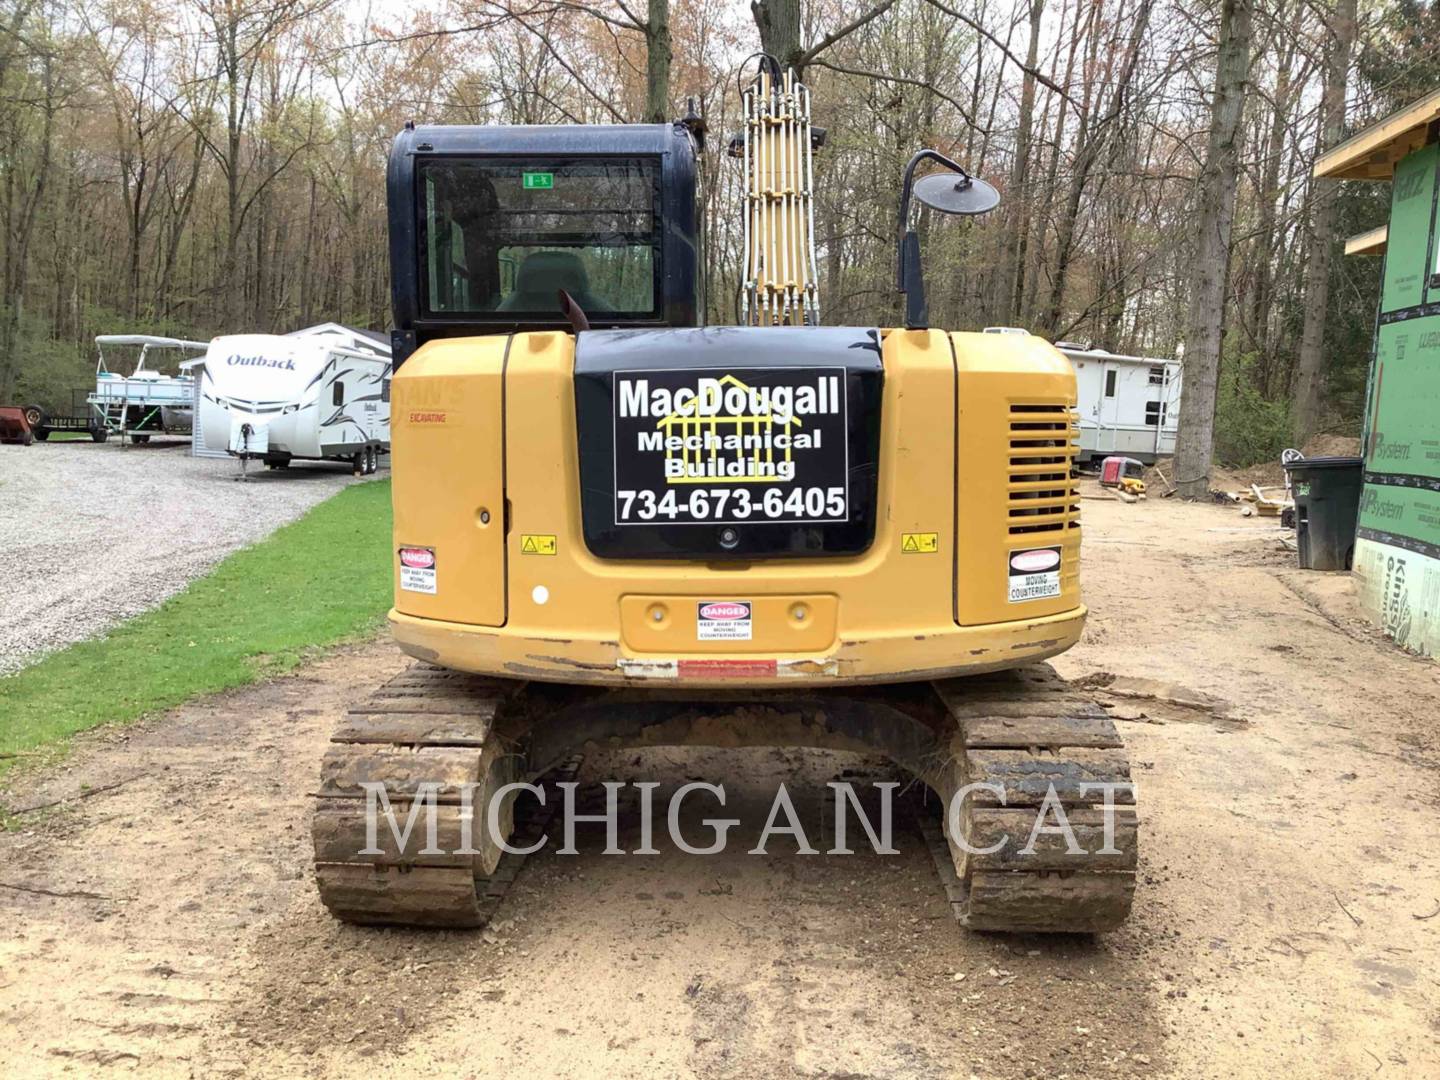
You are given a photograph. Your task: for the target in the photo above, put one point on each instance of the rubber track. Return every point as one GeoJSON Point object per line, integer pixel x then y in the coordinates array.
{"type": "Point", "coordinates": [426, 724]}
{"type": "Point", "coordinates": [1029, 733]}
{"type": "Point", "coordinates": [1023, 730]}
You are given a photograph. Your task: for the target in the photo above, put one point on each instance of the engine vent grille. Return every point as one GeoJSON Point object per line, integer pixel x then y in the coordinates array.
{"type": "Point", "coordinates": [1043, 493]}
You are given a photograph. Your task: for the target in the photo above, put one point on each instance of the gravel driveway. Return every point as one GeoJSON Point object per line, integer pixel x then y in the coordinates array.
{"type": "Point", "coordinates": [91, 534]}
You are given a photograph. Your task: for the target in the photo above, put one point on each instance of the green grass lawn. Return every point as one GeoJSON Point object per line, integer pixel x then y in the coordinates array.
{"type": "Point", "coordinates": [319, 581]}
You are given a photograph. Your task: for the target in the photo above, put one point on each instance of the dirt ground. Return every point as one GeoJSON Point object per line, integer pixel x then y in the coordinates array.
{"type": "Point", "coordinates": [1266, 474]}
{"type": "Point", "coordinates": [1287, 923]}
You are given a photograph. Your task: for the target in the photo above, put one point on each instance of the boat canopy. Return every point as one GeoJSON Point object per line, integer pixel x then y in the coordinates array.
{"type": "Point", "coordinates": [150, 340]}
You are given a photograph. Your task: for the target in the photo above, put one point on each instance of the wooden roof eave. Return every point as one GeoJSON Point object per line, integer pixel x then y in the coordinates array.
{"type": "Point", "coordinates": [1371, 154]}
{"type": "Point", "coordinates": [1369, 242]}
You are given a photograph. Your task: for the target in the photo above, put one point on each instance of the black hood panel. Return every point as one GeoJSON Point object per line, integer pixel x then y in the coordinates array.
{"type": "Point", "coordinates": [728, 442]}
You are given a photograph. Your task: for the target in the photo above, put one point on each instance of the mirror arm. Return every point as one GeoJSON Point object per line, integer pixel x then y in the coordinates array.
{"type": "Point", "coordinates": [905, 185]}
{"type": "Point", "coordinates": [917, 313]}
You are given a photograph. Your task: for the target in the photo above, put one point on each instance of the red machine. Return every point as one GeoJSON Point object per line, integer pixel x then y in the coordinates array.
{"type": "Point", "coordinates": [15, 425]}
{"type": "Point", "coordinates": [1114, 471]}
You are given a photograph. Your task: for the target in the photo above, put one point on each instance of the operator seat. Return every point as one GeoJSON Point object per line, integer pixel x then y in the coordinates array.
{"type": "Point", "coordinates": [540, 278]}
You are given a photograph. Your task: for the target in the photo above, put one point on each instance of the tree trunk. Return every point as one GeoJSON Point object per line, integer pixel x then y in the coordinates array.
{"type": "Point", "coordinates": [230, 272]}
{"type": "Point", "coordinates": [1195, 442]}
{"type": "Point", "coordinates": [1267, 232]}
{"type": "Point", "coordinates": [260, 309]}
{"type": "Point", "coordinates": [779, 24]}
{"type": "Point", "coordinates": [657, 63]}
{"type": "Point", "coordinates": [306, 254]}
{"type": "Point", "coordinates": [1019, 213]}
{"type": "Point", "coordinates": [1309, 373]}
{"type": "Point", "coordinates": [134, 193]}
{"type": "Point", "coordinates": [17, 276]}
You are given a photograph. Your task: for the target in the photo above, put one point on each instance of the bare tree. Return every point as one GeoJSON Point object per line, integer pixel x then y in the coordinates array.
{"type": "Point", "coordinates": [1205, 324]}
{"type": "Point", "coordinates": [778, 22]}
{"type": "Point", "coordinates": [242, 33]}
{"type": "Point", "coordinates": [31, 74]}
{"type": "Point", "coordinates": [1309, 371]}
{"type": "Point", "coordinates": [1017, 212]}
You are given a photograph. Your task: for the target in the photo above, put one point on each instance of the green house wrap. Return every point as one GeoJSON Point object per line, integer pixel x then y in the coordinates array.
{"type": "Point", "coordinates": [1397, 545]}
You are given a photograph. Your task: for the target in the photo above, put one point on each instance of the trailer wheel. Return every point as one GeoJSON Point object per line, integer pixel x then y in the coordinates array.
{"type": "Point", "coordinates": [42, 433]}
{"type": "Point", "coordinates": [99, 433]}
{"type": "Point", "coordinates": [139, 438]}
{"type": "Point", "coordinates": [372, 461]}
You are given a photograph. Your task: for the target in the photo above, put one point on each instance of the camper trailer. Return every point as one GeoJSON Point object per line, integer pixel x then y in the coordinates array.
{"type": "Point", "coordinates": [1128, 405]}
{"type": "Point", "coordinates": [318, 394]}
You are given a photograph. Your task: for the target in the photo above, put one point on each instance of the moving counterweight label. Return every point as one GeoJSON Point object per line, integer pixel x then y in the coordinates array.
{"type": "Point", "coordinates": [708, 446]}
{"type": "Point", "coordinates": [1034, 574]}
{"type": "Point", "coordinates": [723, 620]}
{"type": "Point", "coordinates": [417, 569]}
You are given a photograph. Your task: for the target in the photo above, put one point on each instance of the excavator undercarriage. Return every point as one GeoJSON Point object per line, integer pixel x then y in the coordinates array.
{"type": "Point", "coordinates": [1017, 738]}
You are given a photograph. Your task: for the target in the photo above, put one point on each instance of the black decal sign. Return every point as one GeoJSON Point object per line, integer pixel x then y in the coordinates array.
{"type": "Point", "coordinates": [728, 442]}
{"type": "Point", "coordinates": [715, 446]}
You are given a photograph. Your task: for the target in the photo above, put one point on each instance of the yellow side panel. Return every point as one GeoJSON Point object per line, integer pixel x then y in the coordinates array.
{"type": "Point", "coordinates": [1018, 437]}
{"type": "Point", "coordinates": [448, 440]}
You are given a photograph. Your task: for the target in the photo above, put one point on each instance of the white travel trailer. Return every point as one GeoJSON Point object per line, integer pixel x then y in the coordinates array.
{"type": "Point", "coordinates": [1129, 405]}
{"type": "Point", "coordinates": [322, 393]}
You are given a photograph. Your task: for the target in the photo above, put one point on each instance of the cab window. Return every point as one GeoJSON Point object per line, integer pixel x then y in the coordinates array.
{"type": "Point", "coordinates": [503, 239]}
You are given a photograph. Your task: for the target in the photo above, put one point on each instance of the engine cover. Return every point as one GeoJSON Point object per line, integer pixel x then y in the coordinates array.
{"type": "Point", "coordinates": [728, 442]}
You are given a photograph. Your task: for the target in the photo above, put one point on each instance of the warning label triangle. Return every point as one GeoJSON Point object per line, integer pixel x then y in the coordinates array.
{"type": "Point", "coordinates": [528, 547]}
{"type": "Point", "coordinates": [910, 544]}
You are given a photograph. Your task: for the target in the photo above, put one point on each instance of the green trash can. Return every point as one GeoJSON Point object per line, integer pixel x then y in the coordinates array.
{"type": "Point", "coordinates": [1327, 505]}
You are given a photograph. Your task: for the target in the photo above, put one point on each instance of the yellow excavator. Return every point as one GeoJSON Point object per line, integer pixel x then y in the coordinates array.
{"type": "Point", "coordinates": [618, 527]}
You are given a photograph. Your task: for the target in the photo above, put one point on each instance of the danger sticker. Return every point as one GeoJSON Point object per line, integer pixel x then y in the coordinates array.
{"type": "Point", "coordinates": [723, 620]}
{"type": "Point", "coordinates": [1034, 574]}
{"type": "Point", "coordinates": [417, 569]}
{"type": "Point", "coordinates": [538, 544]}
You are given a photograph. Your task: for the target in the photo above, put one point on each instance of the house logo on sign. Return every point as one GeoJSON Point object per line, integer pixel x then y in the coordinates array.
{"type": "Point", "coordinates": [689, 429]}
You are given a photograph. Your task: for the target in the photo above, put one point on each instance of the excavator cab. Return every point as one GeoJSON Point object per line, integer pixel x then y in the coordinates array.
{"type": "Point", "coordinates": [490, 224]}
